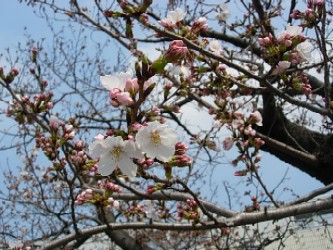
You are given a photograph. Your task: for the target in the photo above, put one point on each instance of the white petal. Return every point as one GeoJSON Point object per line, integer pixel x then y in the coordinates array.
{"type": "Point", "coordinates": [122, 78]}
{"type": "Point", "coordinates": [106, 165]}
{"type": "Point", "coordinates": [142, 136]}
{"type": "Point", "coordinates": [165, 153]}
{"type": "Point", "coordinates": [96, 149]}
{"type": "Point", "coordinates": [168, 136]}
{"type": "Point", "coordinates": [127, 167]}
{"type": "Point", "coordinates": [113, 141]}
{"type": "Point", "coordinates": [109, 82]}
{"type": "Point", "coordinates": [132, 150]}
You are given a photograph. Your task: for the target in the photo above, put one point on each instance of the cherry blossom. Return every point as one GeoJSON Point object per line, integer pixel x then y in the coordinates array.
{"type": "Point", "coordinates": [173, 17]}
{"type": "Point", "coordinates": [215, 46]}
{"type": "Point", "coordinates": [119, 87]}
{"type": "Point", "coordinates": [256, 117]}
{"type": "Point", "coordinates": [177, 70]}
{"type": "Point", "coordinates": [304, 50]}
{"type": "Point", "coordinates": [281, 67]}
{"type": "Point", "coordinates": [157, 140]}
{"type": "Point", "coordinates": [111, 82]}
{"type": "Point", "coordinates": [222, 13]}
{"type": "Point", "coordinates": [115, 152]}
{"type": "Point", "coordinates": [291, 31]}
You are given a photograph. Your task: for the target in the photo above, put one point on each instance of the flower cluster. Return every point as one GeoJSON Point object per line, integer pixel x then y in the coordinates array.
{"type": "Point", "coordinates": [312, 15]}
{"type": "Point", "coordinates": [154, 139]}
{"type": "Point", "coordinates": [123, 87]}
{"type": "Point", "coordinates": [190, 211]}
{"type": "Point", "coordinates": [290, 45]}
{"type": "Point", "coordinates": [10, 76]}
{"type": "Point", "coordinates": [222, 13]}
{"type": "Point", "coordinates": [286, 51]}
{"type": "Point", "coordinates": [24, 108]}
{"type": "Point", "coordinates": [88, 196]}
{"type": "Point", "coordinates": [59, 134]}
{"type": "Point", "coordinates": [255, 205]}
{"type": "Point", "coordinates": [244, 137]}
{"type": "Point", "coordinates": [173, 19]}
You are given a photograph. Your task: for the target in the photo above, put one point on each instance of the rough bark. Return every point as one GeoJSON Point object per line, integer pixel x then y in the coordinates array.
{"type": "Point", "coordinates": [314, 144]}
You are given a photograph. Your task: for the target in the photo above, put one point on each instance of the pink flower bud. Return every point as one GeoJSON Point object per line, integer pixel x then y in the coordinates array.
{"type": "Point", "coordinates": [132, 85]}
{"type": "Point", "coordinates": [177, 51]}
{"type": "Point", "coordinates": [54, 123]}
{"type": "Point", "coordinates": [15, 71]}
{"type": "Point", "coordinates": [124, 98]}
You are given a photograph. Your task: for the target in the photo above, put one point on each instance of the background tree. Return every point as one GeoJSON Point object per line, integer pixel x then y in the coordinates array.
{"type": "Point", "coordinates": [264, 83]}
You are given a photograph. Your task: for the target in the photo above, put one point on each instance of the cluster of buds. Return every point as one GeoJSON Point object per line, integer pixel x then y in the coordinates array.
{"type": "Point", "coordinates": [156, 187]}
{"type": "Point", "coordinates": [88, 196]}
{"type": "Point", "coordinates": [300, 83]}
{"type": "Point", "coordinates": [24, 109]}
{"type": "Point", "coordinates": [137, 210]}
{"type": "Point", "coordinates": [59, 133]}
{"type": "Point", "coordinates": [109, 186]}
{"type": "Point", "coordinates": [180, 158]}
{"type": "Point", "coordinates": [289, 49]}
{"type": "Point", "coordinates": [146, 163]}
{"type": "Point", "coordinates": [123, 88]}
{"type": "Point", "coordinates": [10, 76]}
{"type": "Point", "coordinates": [80, 158]}
{"type": "Point", "coordinates": [312, 15]}
{"type": "Point", "coordinates": [243, 136]}
{"type": "Point", "coordinates": [255, 205]}
{"type": "Point", "coordinates": [190, 211]}
{"type": "Point", "coordinates": [112, 203]}
{"type": "Point", "coordinates": [84, 196]}
{"type": "Point", "coordinates": [49, 145]}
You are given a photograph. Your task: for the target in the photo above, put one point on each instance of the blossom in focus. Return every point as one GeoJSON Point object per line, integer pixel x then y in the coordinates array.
{"type": "Point", "coordinates": [119, 86]}
{"type": "Point", "coordinates": [114, 152]}
{"type": "Point", "coordinates": [173, 17]}
{"type": "Point", "coordinates": [222, 13]}
{"type": "Point", "coordinates": [157, 141]}
{"type": "Point", "coordinates": [115, 82]}
{"type": "Point", "coordinates": [304, 50]}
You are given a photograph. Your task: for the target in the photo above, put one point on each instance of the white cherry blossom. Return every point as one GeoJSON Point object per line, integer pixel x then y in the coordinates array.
{"type": "Point", "coordinates": [111, 82]}
{"type": "Point", "coordinates": [177, 70]}
{"type": "Point", "coordinates": [281, 67]}
{"type": "Point", "coordinates": [215, 46]}
{"type": "Point", "coordinates": [115, 152]}
{"type": "Point", "coordinates": [304, 50]}
{"type": "Point", "coordinates": [222, 13]}
{"type": "Point", "coordinates": [291, 31]}
{"type": "Point", "coordinates": [176, 16]}
{"type": "Point", "coordinates": [157, 141]}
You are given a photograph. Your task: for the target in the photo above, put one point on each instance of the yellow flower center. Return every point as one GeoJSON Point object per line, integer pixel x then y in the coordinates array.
{"type": "Point", "coordinates": [155, 138]}
{"type": "Point", "coordinates": [116, 153]}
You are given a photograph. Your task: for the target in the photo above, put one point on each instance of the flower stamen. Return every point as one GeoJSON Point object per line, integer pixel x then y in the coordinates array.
{"type": "Point", "coordinates": [116, 153]}
{"type": "Point", "coordinates": [155, 138]}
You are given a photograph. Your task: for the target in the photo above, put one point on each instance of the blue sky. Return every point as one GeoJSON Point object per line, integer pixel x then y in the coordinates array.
{"type": "Point", "coordinates": [15, 17]}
